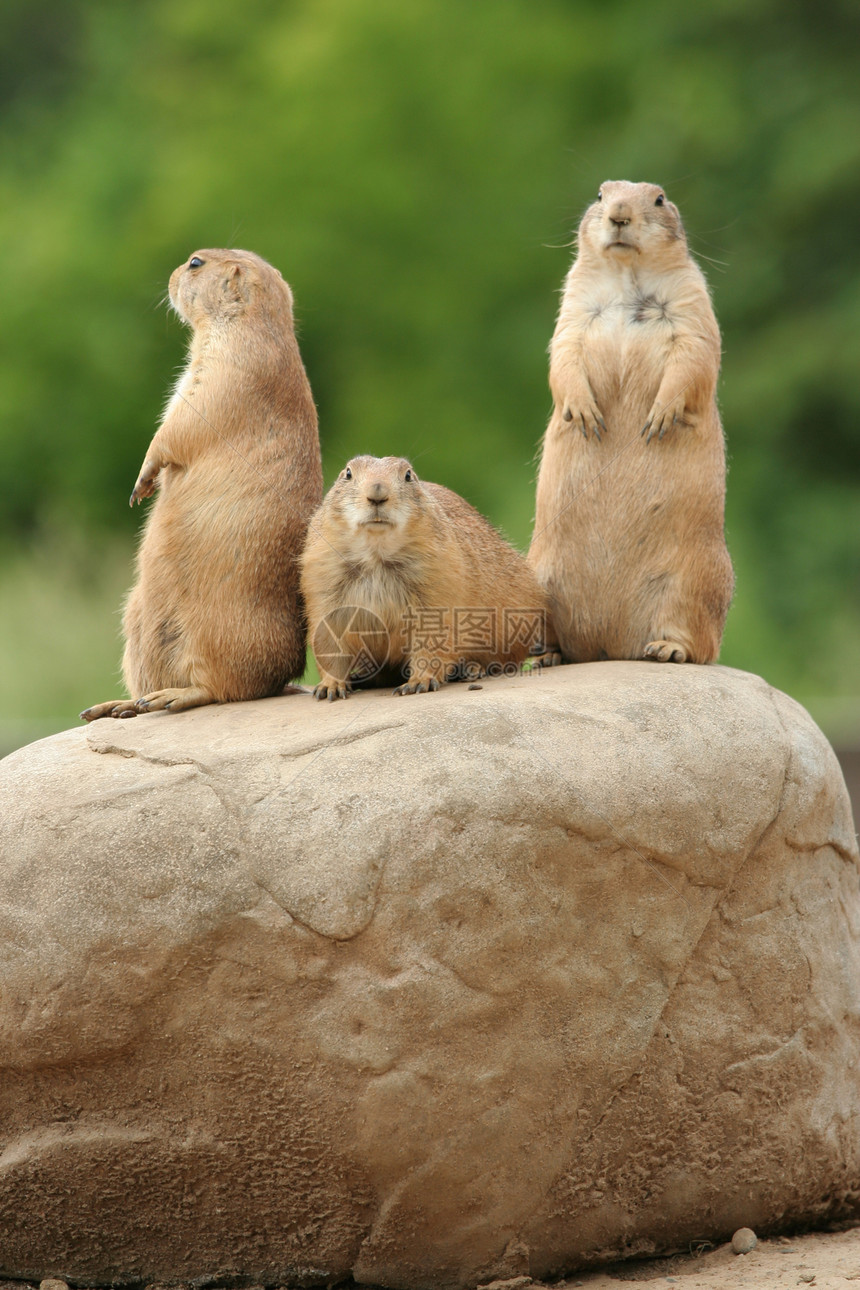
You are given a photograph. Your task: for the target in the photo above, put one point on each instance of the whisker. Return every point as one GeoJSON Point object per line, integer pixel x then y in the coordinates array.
{"type": "Point", "coordinates": [682, 179]}
{"type": "Point", "coordinates": [585, 161]}
{"type": "Point", "coordinates": [720, 265]}
{"type": "Point", "coordinates": [720, 228]}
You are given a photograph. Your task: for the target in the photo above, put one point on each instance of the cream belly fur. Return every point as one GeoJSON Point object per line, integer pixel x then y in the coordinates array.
{"type": "Point", "coordinates": [628, 537]}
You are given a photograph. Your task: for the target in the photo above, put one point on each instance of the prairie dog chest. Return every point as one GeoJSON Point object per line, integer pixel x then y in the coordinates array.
{"type": "Point", "coordinates": [620, 309]}
{"type": "Point", "coordinates": [385, 584]}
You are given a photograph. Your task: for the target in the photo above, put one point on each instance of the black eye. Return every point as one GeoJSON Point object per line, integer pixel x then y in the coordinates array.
{"type": "Point", "coordinates": [347, 474]}
{"type": "Point", "coordinates": [660, 200]}
{"type": "Point", "coordinates": [408, 476]}
{"type": "Point", "coordinates": [600, 196]}
{"type": "Point", "coordinates": [195, 262]}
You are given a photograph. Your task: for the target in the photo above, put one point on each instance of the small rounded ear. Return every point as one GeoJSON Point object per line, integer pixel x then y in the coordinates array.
{"type": "Point", "coordinates": [234, 286]}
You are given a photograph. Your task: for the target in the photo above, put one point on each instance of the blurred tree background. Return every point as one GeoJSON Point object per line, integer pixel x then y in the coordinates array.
{"type": "Point", "coordinates": [416, 171]}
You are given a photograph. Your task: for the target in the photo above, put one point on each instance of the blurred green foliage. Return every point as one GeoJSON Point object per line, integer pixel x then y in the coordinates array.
{"type": "Point", "coordinates": [416, 171]}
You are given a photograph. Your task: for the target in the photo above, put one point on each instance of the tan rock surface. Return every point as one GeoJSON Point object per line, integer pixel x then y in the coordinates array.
{"type": "Point", "coordinates": [431, 990]}
{"type": "Point", "coordinates": [823, 1260]}
{"type": "Point", "coordinates": [826, 1260]}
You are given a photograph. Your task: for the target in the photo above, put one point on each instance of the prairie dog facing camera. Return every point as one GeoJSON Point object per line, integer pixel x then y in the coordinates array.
{"type": "Point", "coordinates": [216, 614]}
{"type": "Point", "coordinates": [405, 574]}
{"type": "Point", "coordinates": [629, 520]}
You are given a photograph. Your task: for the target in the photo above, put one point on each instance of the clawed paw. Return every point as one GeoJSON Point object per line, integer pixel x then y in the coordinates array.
{"type": "Point", "coordinates": [332, 689]}
{"type": "Point", "coordinates": [587, 419]}
{"type": "Point", "coordinates": [665, 652]}
{"type": "Point", "coordinates": [664, 417]}
{"type": "Point", "coordinates": [145, 485]}
{"type": "Point", "coordinates": [419, 686]}
{"type": "Point", "coordinates": [174, 700]}
{"type": "Point", "coordinates": [158, 701]}
{"type": "Point", "coordinates": [113, 708]}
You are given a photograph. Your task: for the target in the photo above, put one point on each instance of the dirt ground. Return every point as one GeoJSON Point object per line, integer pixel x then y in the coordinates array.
{"type": "Point", "coordinates": [825, 1260]}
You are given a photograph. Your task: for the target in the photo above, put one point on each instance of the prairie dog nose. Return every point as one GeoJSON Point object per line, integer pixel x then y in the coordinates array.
{"type": "Point", "coordinates": [620, 214]}
{"type": "Point", "coordinates": [377, 492]}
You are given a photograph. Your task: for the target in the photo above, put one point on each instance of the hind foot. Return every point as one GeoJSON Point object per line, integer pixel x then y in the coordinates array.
{"type": "Point", "coordinates": [178, 700]}
{"type": "Point", "coordinates": [665, 652]}
{"type": "Point", "coordinates": [114, 708]}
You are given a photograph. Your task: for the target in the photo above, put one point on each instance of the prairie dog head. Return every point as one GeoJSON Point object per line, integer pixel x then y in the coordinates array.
{"type": "Point", "coordinates": [376, 501]}
{"type": "Point", "coordinates": [630, 222]}
{"type": "Point", "coordinates": [219, 284]}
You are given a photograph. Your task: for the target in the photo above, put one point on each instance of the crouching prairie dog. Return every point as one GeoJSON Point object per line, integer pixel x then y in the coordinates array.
{"type": "Point", "coordinates": [629, 520]}
{"type": "Point", "coordinates": [404, 575]}
{"type": "Point", "coordinates": [216, 614]}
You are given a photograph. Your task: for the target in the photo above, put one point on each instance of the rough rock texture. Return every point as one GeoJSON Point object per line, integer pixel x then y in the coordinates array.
{"type": "Point", "coordinates": [429, 990]}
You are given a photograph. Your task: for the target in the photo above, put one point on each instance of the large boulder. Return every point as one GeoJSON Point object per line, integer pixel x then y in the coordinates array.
{"type": "Point", "coordinates": [427, 990]}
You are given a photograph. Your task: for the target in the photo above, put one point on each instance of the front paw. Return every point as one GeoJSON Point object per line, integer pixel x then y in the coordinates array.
{"type": "Point", "coordinates": [145, 485]}
{"type": "Point", "coordinates": [419, 685]}
{"type": "Point", "coordinates": [665, 415]}
{"type": "Point", "coordinates": [331, 688]}
{"type": "Point", "coordinates": [584, 416]}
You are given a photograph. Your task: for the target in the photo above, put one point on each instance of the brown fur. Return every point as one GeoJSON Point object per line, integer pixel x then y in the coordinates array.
{"type": "Point", "coordinates": [628, 533]}
{"type": "Point", "coordinates": [396, 549]}
{"type": "Point", "coordinates": [216, 612]}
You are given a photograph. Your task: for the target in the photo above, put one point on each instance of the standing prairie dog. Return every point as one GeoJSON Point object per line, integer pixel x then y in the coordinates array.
{"type": "Point", "coordinates": [406, 574]}
{"type": "Point", "coordinates": [216, 612]}
{"type": "Point", "coordinates": [628, 537]}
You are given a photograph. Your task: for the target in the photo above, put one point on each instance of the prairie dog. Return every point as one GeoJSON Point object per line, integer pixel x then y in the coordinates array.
{"type": "Point", "coordinates": [628, 536]}
{"type": "Point", "coordinates": [215, 614]}
{"type": "Point", "coordinates": [401, 572]}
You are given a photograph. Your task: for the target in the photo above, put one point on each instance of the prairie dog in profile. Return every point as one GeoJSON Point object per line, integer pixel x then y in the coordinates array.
{"type": "Point", "coordinates": [629, 522]}
{"type": "Point", "coordinates": [216, 614]}
{"type": "Point", "coordinates": [401, 572]}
